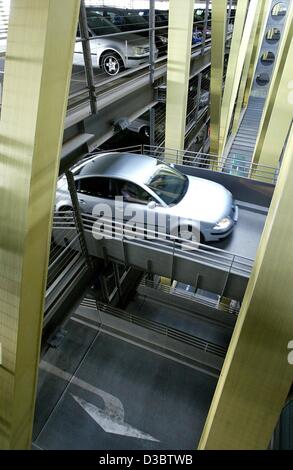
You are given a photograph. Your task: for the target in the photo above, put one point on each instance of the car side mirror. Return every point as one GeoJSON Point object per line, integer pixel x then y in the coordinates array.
{"type": "Point", "coordinates": [152, 205]}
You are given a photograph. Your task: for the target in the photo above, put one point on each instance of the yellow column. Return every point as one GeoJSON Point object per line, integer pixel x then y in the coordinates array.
{"type": "Point", "coordinates": [37, 76]}
{"type": "Point", "coordinates": [219, 23]}
{"type": "Point", "coordinates": [256, 376]}
{"type": "Point", "coordinates": [278, 111]}
{"type": "Point", "coordinates": [266, 7]}
{"type": "Point", "coordinates": [241, 12]}
{"type": "Point", "coordinates": [235, 72]}
{"type": "Point", "coordinates": [178, 68]}
{"type": "Point", "coordinates": [251, 59]}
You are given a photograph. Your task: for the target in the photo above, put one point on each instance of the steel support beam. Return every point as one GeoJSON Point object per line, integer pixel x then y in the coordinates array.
{"type": "Point", "coordinates": [219, 28]}
{"type": "Point", "coordinates": [205, 27]}
{"type": "Point", "coordinates": [86, 47]}
{"type": "Point", "coordinates": [178, 69]}
{"type": "Point", "coordinates": [236, 66]}
{"type": "Point", "coordinates": [152, 38]}
{"type": "Point", "coordinates": [36, 85]}
{"type": "Point", "coordinates": [240, 18]}
{"type": "Point", "coordinates": [251, 58]}
{"type": "Point", "coordinates": [278, 111]}
{"type": "Point", "coordinates": [256, 376]}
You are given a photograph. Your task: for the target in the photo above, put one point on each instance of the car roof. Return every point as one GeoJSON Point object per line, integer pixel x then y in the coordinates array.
{"type": "Point", "coordinates": [128, 166]}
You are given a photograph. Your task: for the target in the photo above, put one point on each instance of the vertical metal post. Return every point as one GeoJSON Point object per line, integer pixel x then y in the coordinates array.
{"type": "Point", "coordinates": [229, 13]}
{"type": "Point", "coordinates": [86, 47]}
{"type": "Point", "coordinates": [152, 39]}
{"type": "Point", "coordinates": [152, 126]}
{"type": "Point", "coordinates": [78, 218]}
{"type": "Point", "coordinates": [205, 27]}
{"type": "Point", "coordinates": [117, 279]}
{"type": "Point", "coordinates": [198, 96]}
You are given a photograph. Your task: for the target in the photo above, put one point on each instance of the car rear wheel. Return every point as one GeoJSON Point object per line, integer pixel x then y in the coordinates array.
{"type": "Point", "coordinates": [112, 63]}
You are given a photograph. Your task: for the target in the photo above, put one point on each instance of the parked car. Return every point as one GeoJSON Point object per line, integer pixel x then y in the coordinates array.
{"type": "Point", "coordinates": [112, 53]}
{"type": "Point", "coordinates": [151, 186]}
{"type": "Point", "coordinates": [140, 126]}
{"type": "Point", "coordinates": [204, 99]}
{"type": "Point", "coordinates": [197, 37]}
{"type": "Point", "coordinates": [132, 20]}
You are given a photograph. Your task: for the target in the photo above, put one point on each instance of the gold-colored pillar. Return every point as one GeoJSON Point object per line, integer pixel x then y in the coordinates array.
{"type": "Point", "coordinates": [219, 23]}
{"type": "Point", "coordinates": [240, 18]}
{"type": "Point", "coordinates": [256, 375]}
{"type": "Point", "coordinates": [266, 6]}
{"type": "Point", "coordinates": [251, 59]}
{"type": "Point", "coordinates": [278, 111]}
{"type": "Point", "coordinates": [178, 69]}
{"type": "Point", "coordinates": [232, 85]}
{"type": "Point", "coordinates": [37, 77]}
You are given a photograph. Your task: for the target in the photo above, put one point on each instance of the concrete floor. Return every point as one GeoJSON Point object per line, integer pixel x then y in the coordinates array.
{"type": "Point", "coordinates": [246, 236]}
{"type": "Point", "coordinates": [120, 397]}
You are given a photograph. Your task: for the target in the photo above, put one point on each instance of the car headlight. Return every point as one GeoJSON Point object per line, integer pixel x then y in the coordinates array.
{"type": "Point", "coordinates": [223, 224]}
{"type": "Point", "coordinates": [140, 50]}
{"type": "Point", "coordinates": [163, 39]}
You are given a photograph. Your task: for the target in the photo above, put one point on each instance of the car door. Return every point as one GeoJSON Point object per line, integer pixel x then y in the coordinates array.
{"type": "Point", "coordinates": [91, 191]}
{"type": "Point", "coordinates": [134, 208]}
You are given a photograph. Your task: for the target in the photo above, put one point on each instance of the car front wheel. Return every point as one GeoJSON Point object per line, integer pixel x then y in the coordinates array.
{"type": "Point", "coordinates": [112, 63]}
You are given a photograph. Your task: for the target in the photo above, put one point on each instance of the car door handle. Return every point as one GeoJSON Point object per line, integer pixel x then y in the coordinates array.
{"type": "Point", "coordinates": [82, 201]}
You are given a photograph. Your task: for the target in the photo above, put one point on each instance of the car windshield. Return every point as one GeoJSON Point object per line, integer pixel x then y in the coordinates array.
{"type": "Point", "coordinates": [100, 25]}
{"type": "Point", "coordinates": [136, 20]}
{"type": "Point", "coordinates": [169, 184]}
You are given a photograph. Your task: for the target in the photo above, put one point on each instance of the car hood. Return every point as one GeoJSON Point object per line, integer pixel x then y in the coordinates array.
{"type": "Point", "coordinates": [204, 201]}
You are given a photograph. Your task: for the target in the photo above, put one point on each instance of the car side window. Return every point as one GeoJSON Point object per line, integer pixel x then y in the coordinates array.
{"type": "Point", "coordinates": [93, 186]}
{"type": "Point", "coordinates": [132, 192]}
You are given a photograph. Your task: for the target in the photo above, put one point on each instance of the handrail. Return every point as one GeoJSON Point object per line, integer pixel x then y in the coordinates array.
{"type": "Point", "coordinates": [204, 254]}
{"type": "Point", "coordinates": [173, 333]}
{"type": "Point", "coordinates": [210, 161]}
{"type": "Point", "coordinates": [217, 305]}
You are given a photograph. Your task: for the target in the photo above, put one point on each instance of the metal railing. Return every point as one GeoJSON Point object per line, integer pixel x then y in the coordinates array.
{"type": "Point", "coordinates": [232, 309]}
{"type": "Point", "coordinates": [172, 333]}
{"type": "Point", "coordinates": [212, 162]}
{"type": "Point", "coordinates": [156, 240]}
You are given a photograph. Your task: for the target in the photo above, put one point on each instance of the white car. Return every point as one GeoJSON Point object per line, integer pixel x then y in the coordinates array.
{"type": "Point", "coordinates": [152, 189]}
{"type": "Point", "coordinates": [112, 51]}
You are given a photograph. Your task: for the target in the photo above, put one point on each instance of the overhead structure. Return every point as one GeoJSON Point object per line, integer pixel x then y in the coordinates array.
{"type": "Point", "coordinates": [257, 376]}
{"type": "Point", "coordinates": [36, 85]}
{"type": "Point", "coordinates": [178, 68]}
{"type": "Point", "coordinates": [278, 111]}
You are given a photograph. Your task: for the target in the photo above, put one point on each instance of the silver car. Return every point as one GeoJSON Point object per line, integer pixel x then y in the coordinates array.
{"type": "Point", "coordinates": [111, 52]}
{"type": "Point", "coordinates": [154, 190]}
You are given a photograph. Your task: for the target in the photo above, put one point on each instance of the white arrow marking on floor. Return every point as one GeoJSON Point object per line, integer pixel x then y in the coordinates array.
{"type": "Point", "coordinates": [110, 424]}
{"type": "Point", "coordinates": [111, 419]}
